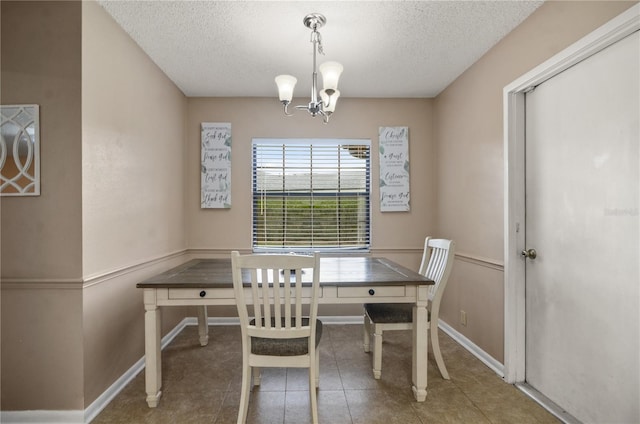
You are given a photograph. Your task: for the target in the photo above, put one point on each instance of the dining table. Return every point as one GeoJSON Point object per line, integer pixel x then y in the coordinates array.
{"type": "Point", "coordinates": [344, 279]}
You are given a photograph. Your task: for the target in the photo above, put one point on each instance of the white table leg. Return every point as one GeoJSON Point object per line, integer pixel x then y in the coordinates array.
{"type": "Point", "coordinates": [420, 346]}
{"type": "Point", "coordinates": [152, 352]}
{"type": "Point", "coordinates": [203, 328]}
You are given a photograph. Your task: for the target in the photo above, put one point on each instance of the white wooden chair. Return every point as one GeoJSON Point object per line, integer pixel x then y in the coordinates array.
{"type": "Point", "coordinates": [437, 261]}
{"type": "Point", "coordinates": [277, 334]}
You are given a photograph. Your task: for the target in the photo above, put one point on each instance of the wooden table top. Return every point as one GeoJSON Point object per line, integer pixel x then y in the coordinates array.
{"type": "Point", "coordinates": [334, 271]}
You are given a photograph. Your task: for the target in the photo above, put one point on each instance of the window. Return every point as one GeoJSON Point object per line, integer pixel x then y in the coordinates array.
{"type": "Point", "coordinates": [311, 194]}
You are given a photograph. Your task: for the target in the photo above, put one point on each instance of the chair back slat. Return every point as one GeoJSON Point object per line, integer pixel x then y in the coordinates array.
{"type": "Point", "coordinates": [277, 301]}
{"type": "Point", "coordinates": [257, 310]}
{"type": "Point", "coordinates": [287, 296]}
{"type": "Point", "coordinates": [298, 301]}
{"type": "Point", "coordinates": [263, 302]}
{"type": "Point", "coordinates": [276, 283]}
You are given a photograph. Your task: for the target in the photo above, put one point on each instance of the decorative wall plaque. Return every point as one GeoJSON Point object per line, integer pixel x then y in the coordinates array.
{"type": "Point", "coordinates": [215, 182]}
{"type": "Point", "coordinates": [394, 169]}
{"type": "Point", "coordinates": [20, 150]}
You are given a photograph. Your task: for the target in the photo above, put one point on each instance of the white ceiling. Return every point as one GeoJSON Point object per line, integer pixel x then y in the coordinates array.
{"type": "Point", "coordinates": [388, 48]}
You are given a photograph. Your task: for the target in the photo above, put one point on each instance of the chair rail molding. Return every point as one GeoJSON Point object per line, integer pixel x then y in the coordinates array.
{"type": "Point", "coordinates": [480, 261]}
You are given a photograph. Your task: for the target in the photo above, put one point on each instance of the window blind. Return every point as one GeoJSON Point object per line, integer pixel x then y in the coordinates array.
{"type": "Point", "coordinates": [311, 194]}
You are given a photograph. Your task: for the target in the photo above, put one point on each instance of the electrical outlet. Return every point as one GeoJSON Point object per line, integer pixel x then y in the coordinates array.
{"type": "Point", "coordinates": [463, 318]}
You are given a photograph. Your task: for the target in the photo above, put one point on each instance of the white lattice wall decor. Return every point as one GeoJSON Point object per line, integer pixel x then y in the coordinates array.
{"type": "Point", "coordinates": [19, 150]}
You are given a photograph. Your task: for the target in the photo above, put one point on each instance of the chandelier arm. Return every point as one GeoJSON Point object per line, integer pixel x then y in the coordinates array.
{"type": "Point", "coordinates": [328, 104]}
{"type": "Point", "coordinates": [286, 109]}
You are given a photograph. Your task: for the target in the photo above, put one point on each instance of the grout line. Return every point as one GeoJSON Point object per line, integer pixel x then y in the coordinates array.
{"type": "Point", "coordinates": [344, 391]}
{"type": "Point", "coordinates": [227, 393]}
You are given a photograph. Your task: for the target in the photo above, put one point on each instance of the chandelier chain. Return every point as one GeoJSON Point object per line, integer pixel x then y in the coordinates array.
{"type": "Point", "coordinates": [317, 38]}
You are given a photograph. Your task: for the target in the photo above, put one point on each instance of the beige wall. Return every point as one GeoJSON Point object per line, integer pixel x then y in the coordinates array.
{"type": "Point", "coordinates": [399, 235]}
{"type": "Point", "coordinates": [132, 151]}
{"type": "Point", "coordinates": [132, 193]}
{"type": "Point", "coordinates": [41, 64]}
{"type": "Point", "coordinates": [354, 118]}
{"type": "Point", "coordinates": [111, 209]}
{"type": "Point", "coordinates": [469, 149]}
{"type": "Point", "coordinates": [41, 247]}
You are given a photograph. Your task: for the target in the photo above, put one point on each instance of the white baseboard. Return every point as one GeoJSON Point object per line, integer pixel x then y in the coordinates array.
{"type": "Point", "coordinates": [548, 404]}
{"type": "Point", "coordinates": [42, 417]}
{"type": "Point", "coordinates": [342, 320]}
{"type": "Point", "coordinates": [476, 351]}
{"type": "Point", "coordinates": [103, 400]}
{"type": "Point", "coordinates": [86, 416]}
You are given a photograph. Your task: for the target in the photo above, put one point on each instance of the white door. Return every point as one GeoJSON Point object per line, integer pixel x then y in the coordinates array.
{"type": "Point", "coordinates": [582, 218]}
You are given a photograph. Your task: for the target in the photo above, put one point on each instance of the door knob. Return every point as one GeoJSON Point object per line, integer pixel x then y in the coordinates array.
{"type": "Point", "coordinates": [530, 253]}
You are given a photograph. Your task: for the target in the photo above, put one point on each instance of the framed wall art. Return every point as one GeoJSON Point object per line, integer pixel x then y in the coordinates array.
{"type": "Point", "coordinates": [215, 182]}
{"type": "Point", "coordinates": [395, 195]}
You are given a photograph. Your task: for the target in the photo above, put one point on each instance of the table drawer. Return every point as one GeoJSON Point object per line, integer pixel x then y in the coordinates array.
{"type": "Point", "coordinates": [381, 291]}
{"type": "Point", "coordinates": [201, 294]}
{"type": "Point", "coordinates": [222, 293]}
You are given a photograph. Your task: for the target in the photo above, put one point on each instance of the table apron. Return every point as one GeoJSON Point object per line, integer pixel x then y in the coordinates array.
{"type": "Point", "coordinates": [328, 295]}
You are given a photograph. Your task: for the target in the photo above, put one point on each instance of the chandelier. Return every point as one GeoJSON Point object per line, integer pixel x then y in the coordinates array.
{"type": "Point", "coordinates": [330, 74]}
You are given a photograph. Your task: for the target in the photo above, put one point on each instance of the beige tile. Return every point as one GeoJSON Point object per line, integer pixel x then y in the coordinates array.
{"type": "Point", "coordinates": [266, 407]}
{"type": "Point", "coordinates": [345, 332]}
{"type": "Point", "coordinates": [348, 348]}
{"type": "Point", "coordinates": [356, 374]}
{"type": "Point", "coordinates": [188, 408]}
{"type": "Point", "coordinates": [191, 408]}
{"type": "Point", "coordinates": [379, 406]}
{"type": "Point", "coordinates": [297, 379]}
{"type": "Point", "coordinates": [330, 377]}
{"type": "Point", "coordinates": [448, 405]}
{"type": "Point", "coordinates": [332, 408]}
{"type": "Point", "coordinates": [228, 412]}
{"type": "Point", "coordinates": [272, 380]}
{"type": "Point", "coordinates": [202, 385]}
{"type": "Point", "coordinates": [509, 405]}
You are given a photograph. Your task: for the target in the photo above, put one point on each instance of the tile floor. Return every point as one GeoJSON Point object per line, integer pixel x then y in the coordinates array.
{"type": "Point", "coordinates": [202, 385]}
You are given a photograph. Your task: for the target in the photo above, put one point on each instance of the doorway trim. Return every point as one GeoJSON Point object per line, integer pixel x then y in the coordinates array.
{"type": "Point", "coordinates": [514, 180]}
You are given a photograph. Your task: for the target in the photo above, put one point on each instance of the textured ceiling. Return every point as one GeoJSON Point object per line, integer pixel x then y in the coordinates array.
{"type": "Point", "coordinates": [388, 48]}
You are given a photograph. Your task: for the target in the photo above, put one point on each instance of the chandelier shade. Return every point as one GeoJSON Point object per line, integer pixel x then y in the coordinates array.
{"type": "Point", "coordinates": [330, 71]}
{"type": "Point", "coordinates": [330, 75]}
{"type": "Point", "coordinates": [286, 84]}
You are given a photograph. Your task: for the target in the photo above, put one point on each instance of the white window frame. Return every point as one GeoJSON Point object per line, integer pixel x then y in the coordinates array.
{"type": "Point", "coordinates": [364, 193]}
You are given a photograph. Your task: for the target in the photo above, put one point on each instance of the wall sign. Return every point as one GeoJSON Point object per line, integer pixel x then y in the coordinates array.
{"type": "Point", "coordinates": [215, 165]}
{"type": "Point", "coordinates": [394, 169]}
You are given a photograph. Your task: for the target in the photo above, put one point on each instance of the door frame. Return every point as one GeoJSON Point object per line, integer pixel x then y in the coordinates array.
{"type": "Point", "coordinates": [514, 180]}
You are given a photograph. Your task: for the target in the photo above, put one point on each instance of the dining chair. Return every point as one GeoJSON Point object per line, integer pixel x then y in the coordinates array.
{"type": "Point", "coordinates": [437, 261]}
{"type": "Point", "coordinates": [275, 333]}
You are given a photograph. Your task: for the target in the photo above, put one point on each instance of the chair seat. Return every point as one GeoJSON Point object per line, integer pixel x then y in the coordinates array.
{"type": "Point", "coordinates": [284, 347]}
{"type": "Point", "coordinates": [387, 313]}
